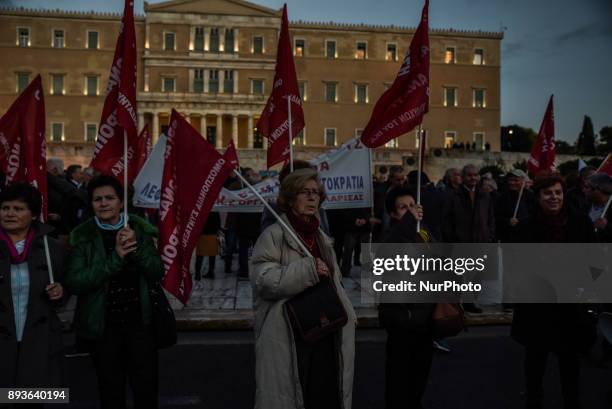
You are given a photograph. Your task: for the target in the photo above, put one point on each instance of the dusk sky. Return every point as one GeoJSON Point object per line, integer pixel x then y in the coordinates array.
{"type": "Point", "coordinates": [561, 47]}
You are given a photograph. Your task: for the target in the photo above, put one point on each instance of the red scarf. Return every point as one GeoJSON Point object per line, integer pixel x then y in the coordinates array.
{"type": "Point", "coordinates": [17, 258]}
{"type": "Point", "coordinates": [307, 230]}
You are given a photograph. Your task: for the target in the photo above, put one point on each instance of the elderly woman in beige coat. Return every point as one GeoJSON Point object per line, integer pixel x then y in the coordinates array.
{"type": "Point", "coordinates": [290, 373]}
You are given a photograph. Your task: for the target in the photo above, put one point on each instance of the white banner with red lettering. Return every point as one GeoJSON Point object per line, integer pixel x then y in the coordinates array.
{"type": "Point", "coordinates": [345, 173]}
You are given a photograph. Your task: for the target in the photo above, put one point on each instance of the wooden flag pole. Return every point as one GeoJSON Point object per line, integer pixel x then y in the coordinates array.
{"type": "Point", "coordinates": [47, 254]}
{"type": "Point", "coordinates": [125, 178]}
{"type": "Point", "coordinates": [518, 201]}
{"type": "Point", "coordinates": [290, 133]}
{"type": "Point", "coordinates": [420, 171]}
{"type": "Point", "coordinates": [278, 218]}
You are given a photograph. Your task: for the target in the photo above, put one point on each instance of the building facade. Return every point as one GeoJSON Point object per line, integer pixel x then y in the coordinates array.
{"type": "Point", "coordinates": [213, 61]}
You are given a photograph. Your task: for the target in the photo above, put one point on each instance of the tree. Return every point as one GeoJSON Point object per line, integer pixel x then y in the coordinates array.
{"type": "Point", "coordinates": [515, 138]}
{"type": "Point", "coordinates": [564, 148]}
{"type": "Point", "coordinates": [586, 140]}
{"type": "Point", "coordinates": [605, 140]}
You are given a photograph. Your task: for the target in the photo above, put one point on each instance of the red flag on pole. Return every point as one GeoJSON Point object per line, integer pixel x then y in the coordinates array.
{"type": "Point", "coordinates": [186, 201]}
{"type": "Point", "coordinates": [404, 104]}
{"type": "Point", "coordinates": [274, 120]}
{"type": "Point", "coordinates": [119, 112]}
{"type": "Point", "coordinates": [142, 151]}
{"type": "Point", "coordinates": [606, 165]}
{"type": "Point", "coordinates": [543, 151]}
{"type": "Point", "coordinates": [231, 156]}
{"type": "Point", "coordinates": [22, 140]}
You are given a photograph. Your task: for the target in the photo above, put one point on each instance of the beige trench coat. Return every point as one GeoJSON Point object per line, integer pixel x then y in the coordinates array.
{"type": "Point", "coordinates": [280, 270]}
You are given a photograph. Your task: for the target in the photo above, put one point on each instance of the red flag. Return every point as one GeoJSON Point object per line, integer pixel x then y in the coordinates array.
{"type": "Point", "coordinates": [186, 201]}
{"type": "Point", "coordinates": [22, 141]}
{"type": "Point", "coordinates": [119, 112]}
{"type": "Point", "coordinates": [543, 151]}
{"type": "Point", "coordinates": [274, 120]}
{"type": "Point", "coordinates": [404, 104]}
{"type": "Point", "coordinates": [143, 149]}
{"type": "Point", "coordinates": [606, 165]}
{"type": "Point", "coordinates": [231, 156]}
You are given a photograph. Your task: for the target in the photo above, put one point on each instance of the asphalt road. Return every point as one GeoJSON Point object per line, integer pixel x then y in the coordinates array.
{"type": "Point", "coordinates": [483, 371]}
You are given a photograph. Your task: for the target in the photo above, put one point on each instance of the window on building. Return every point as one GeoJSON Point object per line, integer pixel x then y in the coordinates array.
{"type": "Point", "coordinates": [23, 36]}
{"type": "Point", "coordinates": [392, 144]}
{"type": "Point", "coordinates": [330, 136]}
{"type": "Point", "coordinates": [229, 40]}
{"type": "Point", "coordinates": [478, 98]}
{"type": "Point", "coordinates": [198, 39]}
{"type": "Point", "coordinates": [213, 41]}
{"type": "Point", "coordinates": [449, 55]}
{"type": "Point", "coordinates": [168, 84]}
{"type": "Point", "coordinates": [479, 140]}
{"type": "Point", "coordinates": [213, 81]}
{"type": "Point", "coordinates": [92, 40]}
{"type": "Point", "coordinates": [330, 92]}
{"type": "Point", "coordinates": [361, 94]}
{"type": "Point", "coordinates": [58, 38]}
{"type": "Point", "coordinates": [23, 80]}
{"type": "Point", "coordinates": [361, 52]}
{"type": "Point", "coordinates": [169, 41]}
{"type": "Point", "coordinates": [300, 139]}
{"type": "Point", "coordinates": [450, 137]}
{"type": "Point", "coordinates": [257, 87]}
{"type": "Point", "coordinates": [91, 84]}
{"type": "Point", "coordinates": [391, 52]}
{"type": "Point", "coordinates": [57, 84]}
{"type": "Point", "coordinates": [57, 131]}
{"type": "Point", "coordinates": [91, 130]}
{"type": "Point", "coordinates": [198, 80]}
{"type": "Point", "coordinates": [303, 90]}
{"type": "Point", "coordinates": [257, 137]}
{"type": "Point", "coordinates": [228, 82]}
{"type": "Point", "coordinates": [257, 45]}
{"type": "Point", "coordinates": [300, 47]}
{"type": "Point", "coordinates": [330, 49]}
{"type": "Point", "coordinates": [450, 97]}
{"type": "Point", "coordinates": [478, 56]}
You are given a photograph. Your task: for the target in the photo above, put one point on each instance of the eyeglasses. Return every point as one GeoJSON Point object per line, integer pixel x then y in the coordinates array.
{"type": "Point", "coordinates": [309, 192]}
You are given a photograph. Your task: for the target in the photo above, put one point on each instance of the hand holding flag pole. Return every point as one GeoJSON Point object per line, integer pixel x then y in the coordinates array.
{"type": "Point", "coordinates": [518, 201]}
{"type": "Point", "coordinates": [605, 210]}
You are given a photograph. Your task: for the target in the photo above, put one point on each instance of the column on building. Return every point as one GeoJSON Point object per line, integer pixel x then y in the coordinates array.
{"type": "Point", "coordinates": [235, 81]}
{"type": "Point", "coordinates": [141, 120]}
{"type": "Point", "coordinates": [155, 130]}
{"type": "Point", "coordinates": [235, 40]}
{"type": "Point", "coordinates": [222, 39]}
{"type": "Point", "coordinates": [219, 142]}
{"type": "Point", "coordinates": [203, 126]}
{"type": "Point", "coordinates": [250, 132]}
{"type": "Point", "coordinates": [221, 81]}
{"type": "Point", "coordinates": [235, 129]}
{"type": "Point", "coordinates": [206, 80]}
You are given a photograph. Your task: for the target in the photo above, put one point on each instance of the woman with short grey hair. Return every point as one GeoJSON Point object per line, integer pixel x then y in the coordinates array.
{"type": "Point", "coordinates": [293, 371]}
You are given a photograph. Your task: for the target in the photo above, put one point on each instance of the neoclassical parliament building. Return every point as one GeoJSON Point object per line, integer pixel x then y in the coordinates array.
{"type": "Point", "coordinates": [213, 61]}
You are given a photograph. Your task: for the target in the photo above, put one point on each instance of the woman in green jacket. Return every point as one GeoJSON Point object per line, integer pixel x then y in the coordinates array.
{"type": "Point", "coordinates": [112, 268]}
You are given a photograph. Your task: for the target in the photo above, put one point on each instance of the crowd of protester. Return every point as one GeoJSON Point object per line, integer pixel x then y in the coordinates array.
{"type": "Point", "coordinates": [112, 267]}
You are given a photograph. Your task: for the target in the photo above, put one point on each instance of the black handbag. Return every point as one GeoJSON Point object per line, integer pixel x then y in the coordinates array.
{"type": "Point", "coordinates": [317, 311]}
{"type": "Point", "coordinates": [163, 320]}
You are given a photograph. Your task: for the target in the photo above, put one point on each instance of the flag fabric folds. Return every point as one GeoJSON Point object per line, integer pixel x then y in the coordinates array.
{"type": "Point", "coordinates": [404, 104]}
{"type": "Point", "coordinates": [274, 120]}
{"type": "Point", "coordinates": [22, 140]}
{"type": "Point", "coordinates": [231, 156]}
{"type": "Point", "coordinates": [144, 146]}
{"type": "Point", "coordinates": [119, 112]}
{"type": "Point", "coordinates": [187, 197]}
{"type": "Point", "coordinates": [543, 152]}
{"type": "Point", "coordinates": [606, 165]}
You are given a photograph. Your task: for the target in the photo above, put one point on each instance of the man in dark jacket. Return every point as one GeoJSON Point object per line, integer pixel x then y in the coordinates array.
{"type": "Point", "coordinates": [357, 225]}
{"type": "Point", "coordinates": [505, 204]}
{"type": "Point", "coordinates": [432, 200]}
{"type": "Point", "coordinates": [247, 228]}
{"type": "Point", "coordinates": [58, 189]}
{"type": "Point", "coordinates": [469, 216]}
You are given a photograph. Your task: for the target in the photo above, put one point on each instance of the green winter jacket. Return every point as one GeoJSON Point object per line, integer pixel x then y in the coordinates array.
{"type": "Point", "coordinates": [89, 270]}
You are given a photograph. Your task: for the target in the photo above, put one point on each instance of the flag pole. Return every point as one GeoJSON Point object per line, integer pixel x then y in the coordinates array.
{"type": "Point", "coordinates": [603, 163]}
{"type": "Point", "coordinates": [605, 210]}
{"type": "Point", "coordinates": [125, 177]}
{"type": "Point", "coordinates": [371, 201]}
{"type": "Point", "coordinates": [278, 218]}
{"type": "Point", "coordinates": [420, 171]}
{"type": "Point", "coordinates": [47, 254]}
{"type": "Point", "coordinates": [518, 201]}
{"type": "Point", "coordinates": [290, 134]}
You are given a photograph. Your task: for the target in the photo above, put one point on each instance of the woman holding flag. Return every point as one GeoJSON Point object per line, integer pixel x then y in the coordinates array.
{"type": "Point", "coordinates": [112, 269]}
{"type": "Point", "coordinates": [294, 371]}
{"type": "Point", "coordinates": [31, 341]}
